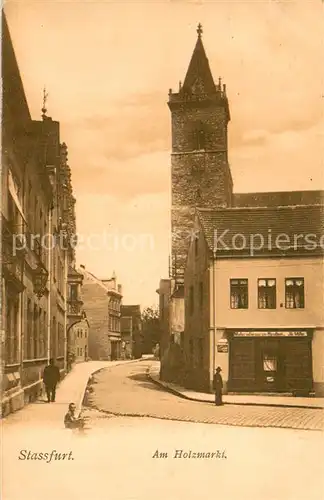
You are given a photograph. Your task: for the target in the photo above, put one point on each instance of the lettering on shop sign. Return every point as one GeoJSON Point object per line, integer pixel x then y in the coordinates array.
{"type": "Point", "coordinates": [270, 334]}
{"type": "Point", "coordinates": [222, 347]}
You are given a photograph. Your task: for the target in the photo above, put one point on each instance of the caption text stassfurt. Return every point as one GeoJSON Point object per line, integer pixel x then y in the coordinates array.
{"type": "Point", "coordinates": [44, 456]}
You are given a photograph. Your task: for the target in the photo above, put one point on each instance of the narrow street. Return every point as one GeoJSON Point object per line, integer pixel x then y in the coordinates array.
{"type": "Point", "coordinates": [127, 391]}
{"type": "Point", "coordinates": [114, 457]}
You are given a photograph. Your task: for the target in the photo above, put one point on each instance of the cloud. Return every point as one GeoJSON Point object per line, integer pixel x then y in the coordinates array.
{"type": "Point", "coordinates": [124, 152]}
{"type": "Point", "coordinates": [131, 237]}
{"type": "Point", "coordinates": [291, 160]}
{"type": "Point", "coordinates": [137, 125]}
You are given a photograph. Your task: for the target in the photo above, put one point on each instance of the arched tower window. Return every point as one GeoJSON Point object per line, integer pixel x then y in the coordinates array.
{"type": "Point", "coordinates": [199, 137]}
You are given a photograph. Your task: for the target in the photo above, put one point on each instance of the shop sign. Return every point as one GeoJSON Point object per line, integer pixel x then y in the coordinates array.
{"type": "Point", "coordinates": [222, 347]}
{"type": "Point", "coordinates": [271, 334]}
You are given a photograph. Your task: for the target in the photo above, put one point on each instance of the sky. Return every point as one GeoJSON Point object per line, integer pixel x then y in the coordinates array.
{"type": "Point", "coordinates": [108, 67]}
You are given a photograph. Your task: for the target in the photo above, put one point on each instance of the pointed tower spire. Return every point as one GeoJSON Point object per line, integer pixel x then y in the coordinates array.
{"type": "Point", "coordinates": [44, 110]}
{"type": "Point", "coordinates": [199, 77]}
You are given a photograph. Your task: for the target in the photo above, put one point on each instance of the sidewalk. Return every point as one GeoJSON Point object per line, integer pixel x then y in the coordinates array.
{"type": "Point", "coordinates": [244, 399]}
{"type": "Point", "coordinates": [71, 389]}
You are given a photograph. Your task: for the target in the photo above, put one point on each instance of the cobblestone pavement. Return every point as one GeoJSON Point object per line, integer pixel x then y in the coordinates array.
{"type": "Point", "coordinates": [138, 458]}
{"type": "Point", "coordinates": [127, 391]}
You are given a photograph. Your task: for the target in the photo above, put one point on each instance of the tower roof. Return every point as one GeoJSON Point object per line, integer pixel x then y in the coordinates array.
{"type": "Point", "coordinates": [199, 74]}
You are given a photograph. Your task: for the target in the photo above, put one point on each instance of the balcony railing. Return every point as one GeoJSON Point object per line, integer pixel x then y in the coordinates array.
{"type": "Point", "coordinates": [10, 262]}
{"type": "Point", "coordinates": [74, 307]}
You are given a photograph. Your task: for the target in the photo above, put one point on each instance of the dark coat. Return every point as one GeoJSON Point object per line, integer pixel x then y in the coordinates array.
{"type": "Point", "coordinates": [218, 382]}
{"type": "Point", "coordinates": [51, 375]}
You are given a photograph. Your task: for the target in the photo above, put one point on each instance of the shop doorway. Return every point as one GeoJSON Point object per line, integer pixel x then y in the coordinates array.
{"type": "Point", "coordinates": [269, 365]}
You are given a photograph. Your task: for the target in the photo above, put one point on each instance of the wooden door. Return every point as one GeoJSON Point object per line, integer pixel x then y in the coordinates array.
{"type": "Point", "coordinates": [242, 365]}
{"type": "Point", "coordinates": [270, 365]}
{"type": "Point", "coordinates": [298, 365]}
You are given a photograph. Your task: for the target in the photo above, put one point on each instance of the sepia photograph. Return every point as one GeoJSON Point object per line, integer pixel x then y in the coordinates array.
{"type": "Point", "coordinates": [162, 249]}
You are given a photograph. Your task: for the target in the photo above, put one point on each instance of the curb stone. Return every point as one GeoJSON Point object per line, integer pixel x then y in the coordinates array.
{"type": "Point", "coordinates": [90, 381]}
{"type": "Point", "coordinates": [92, 406]}
{"type": "Point", "coordinates": [184, 396]}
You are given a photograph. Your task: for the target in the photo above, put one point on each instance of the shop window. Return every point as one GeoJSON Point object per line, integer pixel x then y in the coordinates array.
{"type": "Point", "coordinates": [267, 293]}
{"type": "Point", "coordinates": [239, 293]}
{"type": "Point", "coordinates": [295, 298]}
{"type": "Point", "coordinates": [269, 363]}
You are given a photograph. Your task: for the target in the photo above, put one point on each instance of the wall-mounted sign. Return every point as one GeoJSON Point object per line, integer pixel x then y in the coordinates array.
{"type": "Point", "coordinates": [222, 347]}
{"type": "Point", "coordinates": [271, 334]}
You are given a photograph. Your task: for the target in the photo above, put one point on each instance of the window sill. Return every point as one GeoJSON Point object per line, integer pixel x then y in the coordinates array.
{"type": "Point", "coordinates": [268, 308]}
{"type": "Point", "coordinates": [34, 361]}
{"type": "Point", "coordinates": [294, 308]}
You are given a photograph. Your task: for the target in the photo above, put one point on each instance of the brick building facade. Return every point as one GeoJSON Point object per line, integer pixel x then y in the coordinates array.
{"type": "Point", "coordinates": [37, 208]}
{"type": "Point", "coordinates": [80, 341]}
{"type": "Point", "coordinates": [258, 314]}
{"type": "Point", "coordinates": [131, 331]}
{"type": "Point", "coordinates": [102, 302]}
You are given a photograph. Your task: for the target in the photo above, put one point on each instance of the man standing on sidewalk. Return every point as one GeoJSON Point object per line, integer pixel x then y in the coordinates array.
{"type": "Point", "coordinates": [51, 377]}
{"type": "Point", "coordinates": [218, 387]}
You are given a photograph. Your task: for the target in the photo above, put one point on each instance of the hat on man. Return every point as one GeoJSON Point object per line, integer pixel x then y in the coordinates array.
{"type": "Point", "coordinates": [218, 369]}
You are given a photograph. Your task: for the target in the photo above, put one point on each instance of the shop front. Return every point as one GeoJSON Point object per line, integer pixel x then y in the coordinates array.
{"type": "Point", "coordinates": [270, 361]}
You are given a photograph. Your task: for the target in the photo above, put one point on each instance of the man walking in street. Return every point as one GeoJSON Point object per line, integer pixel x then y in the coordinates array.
{"type": "Point", "coordinates": [51, 377]}
{"type": "Point", "coordinates": [218, 387]}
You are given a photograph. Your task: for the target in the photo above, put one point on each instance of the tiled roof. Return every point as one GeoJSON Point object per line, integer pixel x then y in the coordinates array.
{"type": "Point", "coordinates": [277, 230]}
{"type": "Point", "coordinates": [14, 103]}
{"type": "Point", "coordinates": [92, 278]}
{"type": "Point", "coordinates": [278, 198]}
{"type": "Point", "coordinates": [130, 309]}
{"type": "Point", "coordinates": [74, 272]}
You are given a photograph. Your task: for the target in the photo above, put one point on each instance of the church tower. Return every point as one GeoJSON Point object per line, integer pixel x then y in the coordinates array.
{"type": "Point", "coordinates": [200, 173]}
